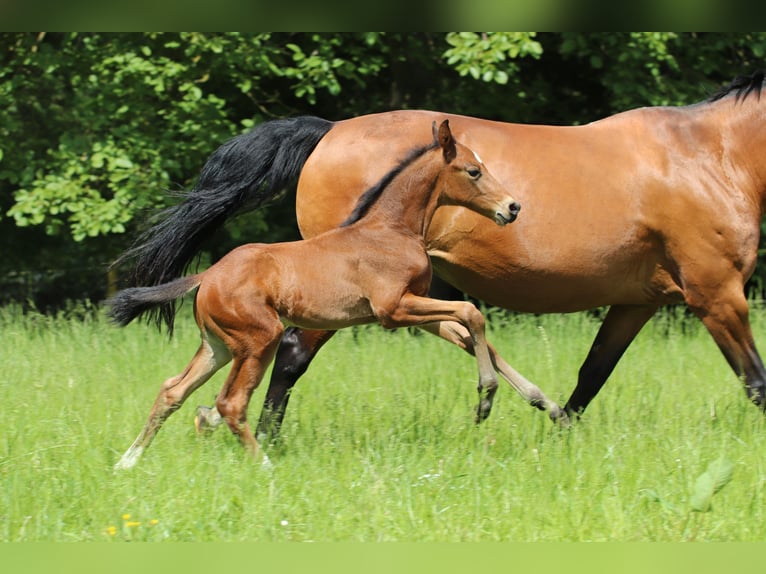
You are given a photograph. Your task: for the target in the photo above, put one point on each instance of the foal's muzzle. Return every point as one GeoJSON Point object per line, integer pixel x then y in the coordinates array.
{"type": "Point", "coordinates": [510, 216]}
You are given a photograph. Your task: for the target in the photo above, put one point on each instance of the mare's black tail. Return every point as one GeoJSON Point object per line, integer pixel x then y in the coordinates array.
{"type": "Point", "coordinates": [242, 175]}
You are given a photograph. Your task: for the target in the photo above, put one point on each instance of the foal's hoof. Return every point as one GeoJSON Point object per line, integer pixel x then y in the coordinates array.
{"type": "Point", "coordinates": [482, 412]}
{"type": "Point", "coordinates": [206, 419]}
{"type": "Point", "coordinates": [560, 417]}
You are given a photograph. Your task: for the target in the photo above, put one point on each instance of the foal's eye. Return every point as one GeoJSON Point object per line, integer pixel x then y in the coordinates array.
{"type": "Point", "coordinates": [474, 172]}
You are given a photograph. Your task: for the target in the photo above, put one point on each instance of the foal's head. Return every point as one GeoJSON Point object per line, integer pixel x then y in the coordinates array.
{"type": "Point", "coordinates": [466, 181]}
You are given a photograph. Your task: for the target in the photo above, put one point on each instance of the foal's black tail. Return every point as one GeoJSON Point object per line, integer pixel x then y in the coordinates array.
{"type": "Point", "coordinates": [242, 175]}
{"type": "Point", "coordinates": [133, 302]}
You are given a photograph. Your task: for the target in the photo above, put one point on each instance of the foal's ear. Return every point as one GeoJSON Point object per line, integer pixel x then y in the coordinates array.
{"type": "Point", "coordinates": [444, 138]}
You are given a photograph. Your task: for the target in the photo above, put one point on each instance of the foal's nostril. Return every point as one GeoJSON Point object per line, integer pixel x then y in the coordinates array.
{"type": "Point", "coordinates": [509, 216]}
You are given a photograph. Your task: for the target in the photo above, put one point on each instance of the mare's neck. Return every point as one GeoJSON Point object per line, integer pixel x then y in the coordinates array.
{"type": "Point", "coordinates": [741, 127]}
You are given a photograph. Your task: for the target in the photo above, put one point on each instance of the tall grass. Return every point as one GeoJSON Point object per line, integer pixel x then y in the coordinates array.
{"type": "Point", "coordinates": [378, 443]}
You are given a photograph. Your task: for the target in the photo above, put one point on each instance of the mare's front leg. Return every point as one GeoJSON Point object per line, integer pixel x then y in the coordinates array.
{"type": "Point", "coordinates": [458, 335]}
{"type": "Point", "coordinates": [413, 310]}
{"type": "Point", "coordinates": [725, 312]}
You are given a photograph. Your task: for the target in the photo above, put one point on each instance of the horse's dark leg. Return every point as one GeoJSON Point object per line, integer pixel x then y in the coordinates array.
{"type": "Point", "coordinates": [726, 316]}
{"type": "Point", "coordinates": [621, 325]}
{"type": "Point", "coordinates": [296, 351]}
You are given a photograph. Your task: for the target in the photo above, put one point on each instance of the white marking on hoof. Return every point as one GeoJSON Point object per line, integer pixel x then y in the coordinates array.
{"type": "Point", "coordinates": [129, 459]}
{"type": "Point", "coordinates": [207, 419]}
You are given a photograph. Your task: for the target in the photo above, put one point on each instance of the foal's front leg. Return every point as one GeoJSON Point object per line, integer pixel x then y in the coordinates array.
{"type": "Point", "coordinates": [458, 335]}
{"type": "Point", "coordinates": [414, 310]}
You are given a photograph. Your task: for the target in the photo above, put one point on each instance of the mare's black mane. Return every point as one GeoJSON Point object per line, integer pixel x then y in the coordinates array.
{"type": "Point", "coordinates": [743, 86]}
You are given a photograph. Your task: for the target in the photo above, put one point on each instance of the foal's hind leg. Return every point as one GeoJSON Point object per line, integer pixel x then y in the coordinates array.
{"type": "Point", "coordinates": [209, 358]}
{"type": "Point", "coordinates": [253, 351]}
{"type": "Point", "coordinates": [297, 349]}
{"type": "Point", "coordinates": [457, 334]}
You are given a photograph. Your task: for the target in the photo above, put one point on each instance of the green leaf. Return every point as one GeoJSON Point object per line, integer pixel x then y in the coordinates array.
{"type": "Point", "coordinates": [717, 475]}
{"type": "Point", "coordinates": [122, 163]}
{"type": "Point", "coordinates": [653, 496]}
{"type": "Point", "coordinates": [97, 160]}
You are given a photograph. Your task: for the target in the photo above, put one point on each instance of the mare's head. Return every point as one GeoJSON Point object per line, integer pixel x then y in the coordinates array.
{"type": "Point", "coordinates": [467, 183]}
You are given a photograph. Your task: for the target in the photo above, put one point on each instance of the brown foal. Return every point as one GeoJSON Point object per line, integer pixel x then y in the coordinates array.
{"type": "Point", "coordinates": [374, 268]}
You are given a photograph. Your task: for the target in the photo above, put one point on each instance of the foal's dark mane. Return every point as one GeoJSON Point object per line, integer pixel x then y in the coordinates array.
{"type": "Point", "coordinates": [369, 197]}
{"type": "Point", "coordinates": [743, 86]}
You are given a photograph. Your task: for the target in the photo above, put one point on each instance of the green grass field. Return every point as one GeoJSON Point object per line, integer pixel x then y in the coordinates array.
{"type": "Point", "coordinates": [379, 443]}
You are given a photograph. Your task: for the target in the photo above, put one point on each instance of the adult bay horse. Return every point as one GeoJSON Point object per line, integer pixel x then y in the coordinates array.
{"type": "Point", "coordinates": [374, 267]}
{"type": "Point", "coordinates": [645, 208]}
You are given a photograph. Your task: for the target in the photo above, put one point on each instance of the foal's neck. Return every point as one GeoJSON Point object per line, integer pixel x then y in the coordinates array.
{"type": "Point", "coordinates": [411, 198]}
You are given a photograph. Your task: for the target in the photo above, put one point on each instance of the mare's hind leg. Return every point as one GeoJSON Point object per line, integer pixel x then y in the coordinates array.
{"type": "Point", "coordinates": [726, 316]}
{"type": "Point", "coordinates": [621, 325]}
{"type": "Point", "coordinates": [210, 357]}
{"type": "Point", "coordinates": [457, 334]}
{"type": "Point", "coordinates": [296, 351]}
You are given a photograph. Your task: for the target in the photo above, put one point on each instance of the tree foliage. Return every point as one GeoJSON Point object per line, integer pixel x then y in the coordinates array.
{"type": "Point", "coordinates": [96, 127]}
